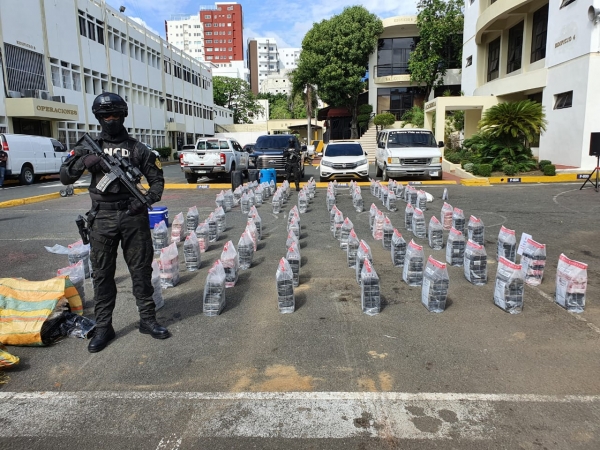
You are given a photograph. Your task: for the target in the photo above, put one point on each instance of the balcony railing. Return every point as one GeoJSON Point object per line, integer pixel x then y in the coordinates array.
{"type": "Point", "coordinates": [385, 70]}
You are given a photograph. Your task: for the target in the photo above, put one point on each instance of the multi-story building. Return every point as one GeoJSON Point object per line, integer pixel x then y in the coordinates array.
{"type": "Point", "coordinates": [390, 87]}
{"type": "Point", "coordinates": [277, 83]}
{"type": "Point", "coordinates": [223, 32]}
{"type": "Point", "coordinates": [60, 55]}
{"type": "Point", "coordinates": [547, 51]}
{"type": "Point", "coordinates": [263, 60]}
{"type": "Point", "coordinates": [185, 32]}
{"type": "Point", "coordinates": [288, 57]}
{"type": "Point", "coordinates": [231, 69]}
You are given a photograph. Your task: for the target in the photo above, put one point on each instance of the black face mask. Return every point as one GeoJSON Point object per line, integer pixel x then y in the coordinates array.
{"type": "Point", "coordinates": [112, 127]}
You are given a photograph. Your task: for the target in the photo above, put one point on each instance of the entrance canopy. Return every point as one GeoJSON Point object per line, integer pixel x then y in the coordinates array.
{"type": "Point", "coordinates": [35, 108]}
{"type": "Point", "coordinates": [472, 106]}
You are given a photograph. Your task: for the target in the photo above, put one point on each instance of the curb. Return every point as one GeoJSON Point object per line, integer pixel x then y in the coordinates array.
{"type": "Point", "coordinates": [558, 178]}
{"type": "Point", "coordinates": [36, 199]}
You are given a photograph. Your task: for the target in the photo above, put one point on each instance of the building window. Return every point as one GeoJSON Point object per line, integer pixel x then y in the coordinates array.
{"type": "Point", "coordinates": [392, 56]}
{"type": "Point", "coordinates": [469, 61]}
{"type": "Point", "coordinates": [564, 100]}
{"type": "Point", "coordinates": [566, 2]}
{"type": "Point", "coordinates": [538, 38]}
{"type": "Point", "coordinates": [82, 25]}
{"type": "Point", "coordinates": [493, 59]}
{"type": "Point", "coordinates": [207, 16]}
{"type": "Point", "coordinates": [515, 48]}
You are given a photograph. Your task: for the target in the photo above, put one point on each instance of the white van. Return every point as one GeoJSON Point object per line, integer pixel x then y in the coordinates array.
{"type": "Point", "coordinates": [408, 152]}
{"type": "Point", "coordinates": [30, 157]}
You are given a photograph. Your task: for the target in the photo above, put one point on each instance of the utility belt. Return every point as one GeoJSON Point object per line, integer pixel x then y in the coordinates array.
{"type": "Point", "coordinates": [110, 206]}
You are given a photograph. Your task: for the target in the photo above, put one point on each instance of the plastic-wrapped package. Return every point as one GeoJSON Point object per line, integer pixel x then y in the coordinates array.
{"type": "Point", "coordinates": [422, 200]}
{"type": "Point", "coordinates": [446, 216]}
{"type": "Point", "coordinates": [533, 262]}
{"type": "Point", "coordinates": [330, 199]}
{"type": "Point", "coordinates": [435, 286]}
{"type": "Point", "coordinates": [362, 253]}
{"type": "Point", "coordinates": [220, 199]}
{"type": "Point", "coordinates": [202, 233]}
{"type": "Point", "coordinates": [312, 188]}
{"type": "Point", "coordinates": [294, 226]}
{"type": "Point", "coordinates": [370, 296]}
{"type": "Point", "coordinates": [258, 195]}
{"type": "Point", "coordinates": [76, 326]}
{"type": "Point", "coordinates": [571, 284]}
{"type": "Point", "coordinates": [213, 228]}
{"type": "Point", "coordinates": [338, 220]}
{"type": "Point", "coordinates": [245, 203]}
{"type": "Point", "coordinates": [419, 228]}
{"type": "Point", "coordinates": [475, 263]}
{"type": "Point", "coordinates": [476, 230]}
{"type": "Point", "coordinates": [372, 213]}
{"type": "Point", "coordinates": [398, 249]}
{"type": "Point", "coordinates": [276, 203]}
{"type": "Point", "coordinates": [399, 191]}
{"type": "Point", "coordinates": [191, 252]}
{"type": "Point", "coordinates": [213, 301]}
{"type": "Point", "coordinates": [291, 237]}
{"type": "Point", "coordinates": [410, 195]}
{"type": "Point", "coordinates": [373, 186]}
{"type": "Point", "coordinates": [272, 186]}
{"type": "Point", "coordinates": [157, 296]}
{"type": "Point", "coordinates": [293, 258]}
{"type": "Point", "coordinates": [352, 248]}
{"type": "Point", "coordinates": [253, 214]}
{"type": "Point", "coordinates": [169, 266]}
{"type": "Point", "coordinates": [191, 219]}
{"type": "Point", "coordinates": [357, 202]}
{"type": "Point", "coordinates": [160, 235]}
{"type": "Point", "coordinates": [347, 226]}
{"type": "Point", "coordinates": [252, 230]}
{"type": "Point", "coordinates": [76, 273]}
{"type": "Point", "coordinates": [458, 220]}
{"type": "Point", "coordinates": [408, 215]}
{"type": "Point", "coordinates": [384, 195]}
{"type": "Point", "coordinates": [231, 264]}
{"type": "Point", "coordinates": [177, 228]}
{"type": "Point", "coordinates": [245, 251]}
{"type": "Point", "coordinates": [237, 195]}
{"type": "Point", "coordinates": [435, 233]}
{"type": "Point", "coordinates": [78, 251]}
{"type": "Point", "coordinates": [251, 198]}
{"type": "Point", "coordinates": [229, 200]}
{"type": "Point", "coordinates": [507, 244]}
{"type": "Point", "coordinates": [455, 248]}
{"type": "Point", "coordinates": [391, 201]}
{"type": "Point", "coordinates": [302, 201]}
{"type": "Point", "coordinates": [378, 226]}
{"type": "Point", "coordinates": [388, 232]}
{"type": "Point", "coordinates": [221, 220]}
{"type": "Point", "coordinates": [509, 287]}
{"type": "Point", "coordinates": [412, 272]}
{"type": "Point", "coordinates": [332, 213]}
{"type": "Point", "coordinates": [284, 279]}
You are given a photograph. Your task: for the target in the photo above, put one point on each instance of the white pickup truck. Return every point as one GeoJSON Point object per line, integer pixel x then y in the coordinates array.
{"type": "Point", "coordinates": [213, 158]}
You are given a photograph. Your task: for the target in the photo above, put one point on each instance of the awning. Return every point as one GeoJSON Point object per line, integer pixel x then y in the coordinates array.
{"type": "Point", "coordinates": [302, 127]}
{"type": "Point", "coordinates": [331, 111]}
{"type": "Point", "coordinates": [35, 108]}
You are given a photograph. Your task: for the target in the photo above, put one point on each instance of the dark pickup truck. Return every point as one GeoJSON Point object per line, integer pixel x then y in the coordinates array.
{"type": "Point", "coordinates": [268, 152]}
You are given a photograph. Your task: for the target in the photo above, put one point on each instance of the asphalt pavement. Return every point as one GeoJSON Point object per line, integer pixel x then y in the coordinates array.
{"type": "Point", "coordinates": [326, 376]}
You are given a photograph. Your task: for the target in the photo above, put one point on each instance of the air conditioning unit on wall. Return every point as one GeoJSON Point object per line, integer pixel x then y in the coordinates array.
{"type": "Point", "coordinates": [28, 93]}
{"type": "Point", "coordinates": [43, 95]}
{"type": "Point", "coordinates": [14, 94]}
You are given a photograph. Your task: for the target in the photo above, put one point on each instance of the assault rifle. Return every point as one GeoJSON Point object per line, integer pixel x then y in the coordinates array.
{"type": "Point", "coordinates": [120, 169]}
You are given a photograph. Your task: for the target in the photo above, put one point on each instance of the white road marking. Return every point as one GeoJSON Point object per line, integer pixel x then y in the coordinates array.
{"type": "Point", "coordinates": [329, 415]}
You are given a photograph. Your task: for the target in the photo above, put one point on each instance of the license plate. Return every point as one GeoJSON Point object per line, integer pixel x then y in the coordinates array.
{"type": "Point", "coordinates": [201, 171]}
{"type": "Point", "coordinates": [433, 174]}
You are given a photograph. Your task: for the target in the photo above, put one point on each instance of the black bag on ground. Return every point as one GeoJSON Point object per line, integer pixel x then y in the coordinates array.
{"type": "Point", "coordinates": [236, 179]}
{"type": "Point", "coordinates": [253, 175]}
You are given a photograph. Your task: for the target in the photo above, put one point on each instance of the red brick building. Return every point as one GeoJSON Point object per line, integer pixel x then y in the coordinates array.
{"type": "Point", "coordinates": [223, 32]}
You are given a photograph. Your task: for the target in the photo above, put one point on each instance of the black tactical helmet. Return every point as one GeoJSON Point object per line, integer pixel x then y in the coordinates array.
{"type": "Point", "coordinates": [108, 102]}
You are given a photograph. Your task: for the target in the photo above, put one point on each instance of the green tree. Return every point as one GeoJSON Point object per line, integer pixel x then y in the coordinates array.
{"type": "Point", "coordinates": [334, 58]}
{"type": "Point", "coordinates": [440, 25]}
{"type": "Point", "coordinates": [280, 109]}
{"type": "Point", "coordinates": [523, 120]}
{"type": "Point", "coordinates": [384, 120]}
{"type": "Point", "coordinates": [236, 95]}
{"type": "Point", "coordinates": [414, 116]}
{"type": "Point", "coordinates": [364, 115]}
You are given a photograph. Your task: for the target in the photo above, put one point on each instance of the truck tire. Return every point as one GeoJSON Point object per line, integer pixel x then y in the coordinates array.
{"type": "Point", "coordinates": [378, 171]}
{"type": "Point", "coordinates": [191, 178]}
{"type": "Point", "coordinates": [384, 174]}
{"type": "Point", "coordinates": [27, 176]}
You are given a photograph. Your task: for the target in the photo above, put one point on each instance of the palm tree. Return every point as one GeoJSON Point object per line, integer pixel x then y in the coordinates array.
{"type": "Point", "coordinates": [522, 120]}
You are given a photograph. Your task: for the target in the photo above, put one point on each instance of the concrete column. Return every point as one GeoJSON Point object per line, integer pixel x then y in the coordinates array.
{"type": "Point", "coordinates": [440, 124]}
{"type": "Point", "coordinates": [472, 118]}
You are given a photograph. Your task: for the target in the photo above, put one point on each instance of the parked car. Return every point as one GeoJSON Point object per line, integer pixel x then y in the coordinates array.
{"type": "Point", "coordinates": [408, 152]}
{"type": "Point", "coordinates": [344, 159]}
{"type": "Point", "coordinates": [30, 157]}
{"type": "Point", "coordinates": [249, 148]}
{"type": "Point", "coordinates": [213, 157]}
{"type": "Point", "coordinates": [268, 152]}
{"type": "Point", "coordinates": [178, 154]}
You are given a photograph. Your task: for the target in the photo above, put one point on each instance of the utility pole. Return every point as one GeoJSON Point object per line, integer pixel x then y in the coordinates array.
{"type": "Point", "coordinates": [308, 114]}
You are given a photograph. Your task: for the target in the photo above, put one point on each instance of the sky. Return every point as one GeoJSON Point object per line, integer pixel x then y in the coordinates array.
{"type": "Point", "coordinates": [285, 20]}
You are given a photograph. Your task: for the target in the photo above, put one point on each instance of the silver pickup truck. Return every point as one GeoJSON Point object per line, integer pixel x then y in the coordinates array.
{"type": "Point", "coordinates": [213, 158]}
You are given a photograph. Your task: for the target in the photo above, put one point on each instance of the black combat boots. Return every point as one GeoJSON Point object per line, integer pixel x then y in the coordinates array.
{"type": "Point", "coordinates": [102, 336]}
{"type": "Point", "coordinates": [154, 329]}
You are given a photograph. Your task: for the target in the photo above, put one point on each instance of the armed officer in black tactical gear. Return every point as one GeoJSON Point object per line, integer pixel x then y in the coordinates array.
{"type": "Point", "coordinates": [292, 162]}
{"type": "Point", "coordinates": [117, 217]}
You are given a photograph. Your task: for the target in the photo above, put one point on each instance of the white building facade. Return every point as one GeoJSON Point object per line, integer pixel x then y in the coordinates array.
{"type": "Point", "coordinates": [288, 57]}
{"type": "Point", "coordinates": [185, 32]}
{"type": "Point", "coordinates": [58, 56]}
{"type": "Point", "coordinates": [277, 83]}
{"type": "Point", "coordinates": [231, 69]}
{"type": "Point", "coordinates": [548, 51]}
{"type": "Point", "coordinates": [263, 60]}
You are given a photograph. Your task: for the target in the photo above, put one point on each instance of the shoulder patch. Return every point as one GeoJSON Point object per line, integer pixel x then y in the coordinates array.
{"type": "Point", "coordinates": [158, 163]}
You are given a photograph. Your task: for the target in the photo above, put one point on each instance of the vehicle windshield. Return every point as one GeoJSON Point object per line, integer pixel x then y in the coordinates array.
{"type": "Point", "coordinates": [411, 139]}
{"type": "Point", "coordinates": [266, 142]}
{"type": "Point", "coordinates": [212, 144]}
{"type": "Point", "coordinates": [343, 150]}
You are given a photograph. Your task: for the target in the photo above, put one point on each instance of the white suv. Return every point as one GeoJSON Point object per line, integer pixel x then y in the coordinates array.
{"type": "Point", "coordinates": [344, 159]}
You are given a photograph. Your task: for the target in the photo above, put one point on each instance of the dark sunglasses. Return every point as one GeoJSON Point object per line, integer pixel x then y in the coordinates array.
{"type": "Point", "coordinates": [104, 115]}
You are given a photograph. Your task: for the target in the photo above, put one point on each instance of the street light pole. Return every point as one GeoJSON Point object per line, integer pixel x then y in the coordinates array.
{"type": "Point", "coordinates": [308, 113]}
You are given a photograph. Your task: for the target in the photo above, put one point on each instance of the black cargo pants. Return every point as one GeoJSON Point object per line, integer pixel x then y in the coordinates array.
{"type": "Point", "coordinates": [292, 166]}
{"type": "Point", "coordinates": [133, 232]}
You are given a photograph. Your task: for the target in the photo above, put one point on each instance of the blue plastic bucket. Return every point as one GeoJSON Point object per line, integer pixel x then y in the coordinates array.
{"type": "Point", "coordinates": [266, 175]}
{"type": "Point", "coordinates": [157, 214]}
